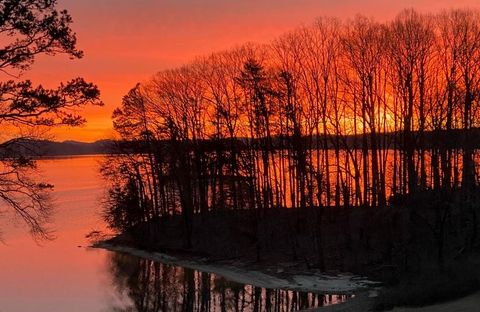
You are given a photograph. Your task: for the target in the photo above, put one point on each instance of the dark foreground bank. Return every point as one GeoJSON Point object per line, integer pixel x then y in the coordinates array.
{"type": "Point", "coordinates": [382, 244]}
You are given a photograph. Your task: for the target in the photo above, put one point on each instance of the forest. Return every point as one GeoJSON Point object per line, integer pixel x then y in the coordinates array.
{"type": "Point", "coordinates": [345, 144]}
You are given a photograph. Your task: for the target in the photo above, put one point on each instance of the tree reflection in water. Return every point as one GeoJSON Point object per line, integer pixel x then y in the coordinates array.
{"type": "Point", "coordinates": [153, 286]}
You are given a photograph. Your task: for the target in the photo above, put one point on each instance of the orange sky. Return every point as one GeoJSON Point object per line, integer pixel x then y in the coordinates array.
{"type": "Point", "coordinates": [126, 41]}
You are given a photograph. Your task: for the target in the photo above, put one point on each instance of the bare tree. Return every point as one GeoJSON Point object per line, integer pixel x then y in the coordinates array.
{"type": "Point", "coordinates": [31, 28]}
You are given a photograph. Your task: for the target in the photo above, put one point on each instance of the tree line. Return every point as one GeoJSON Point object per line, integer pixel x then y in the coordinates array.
{"type": "Point", "coordinates": [334, 115]}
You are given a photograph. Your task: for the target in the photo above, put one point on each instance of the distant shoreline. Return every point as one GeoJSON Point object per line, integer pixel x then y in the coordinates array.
{"type": "Point", "coordinates": [45, 149]}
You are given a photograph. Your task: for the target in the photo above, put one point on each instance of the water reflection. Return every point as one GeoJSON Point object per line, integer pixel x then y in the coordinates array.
{"type": "Point", "coordinates": [153, 286]}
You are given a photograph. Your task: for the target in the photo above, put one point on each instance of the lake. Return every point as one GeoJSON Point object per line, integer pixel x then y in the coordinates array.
{"type": "Point", "coordinates": [65, 275]}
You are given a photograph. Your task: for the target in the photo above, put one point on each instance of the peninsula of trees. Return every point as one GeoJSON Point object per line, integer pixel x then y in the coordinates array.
{"type": "Point", "coordinates": [351, 141]}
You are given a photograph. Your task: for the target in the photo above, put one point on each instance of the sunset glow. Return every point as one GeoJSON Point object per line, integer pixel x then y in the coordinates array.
{"type": "Point", "coordinates": [239, 155]}
{"type": "Point", "coordinates": [126, 42]}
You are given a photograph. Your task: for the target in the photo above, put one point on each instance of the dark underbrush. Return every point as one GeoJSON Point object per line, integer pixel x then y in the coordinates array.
{"type": "Point", "coordinates": [423, 248]}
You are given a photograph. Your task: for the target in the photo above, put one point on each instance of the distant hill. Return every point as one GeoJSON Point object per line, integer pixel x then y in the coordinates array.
{"type": "Point", "coordinates": [30, 147]}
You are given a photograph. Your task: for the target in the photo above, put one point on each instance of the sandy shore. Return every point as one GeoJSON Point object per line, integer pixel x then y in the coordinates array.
{"type": "Point", "coordinates": [345, 283]}
{"type": "Point", "coordinates": [363, 289]}
{"type": "Point", "coordinates": [329, 284]}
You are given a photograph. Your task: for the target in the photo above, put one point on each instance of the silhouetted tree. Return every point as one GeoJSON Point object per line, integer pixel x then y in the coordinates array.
{"type": "Point", "coordinates": [30, 28]}
{"type": "Point", "coordinates": [329, 117]}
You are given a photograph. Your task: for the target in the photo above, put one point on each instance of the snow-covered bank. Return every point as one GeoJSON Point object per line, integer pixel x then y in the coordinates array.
{"type": "Point", "coordinates": [315, 282]}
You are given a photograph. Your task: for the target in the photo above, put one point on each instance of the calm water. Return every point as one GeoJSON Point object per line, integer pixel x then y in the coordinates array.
{"type": "Point", "coordinates": [65, 275]}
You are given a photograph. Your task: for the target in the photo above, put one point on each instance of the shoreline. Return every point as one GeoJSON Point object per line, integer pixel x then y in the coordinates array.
{"type": "Point", "coordinates": [282, 277]}
{"type": "Point", "coordinates": [285, 276]}
{"type": "Point", "coordinates": [260, 276]}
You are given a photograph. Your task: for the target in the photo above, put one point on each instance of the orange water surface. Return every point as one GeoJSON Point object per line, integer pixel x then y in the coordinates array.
{"type": "Point", "coordinates": [62, 274]}
{"type": "Point", "coordinates": [65, 275]}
